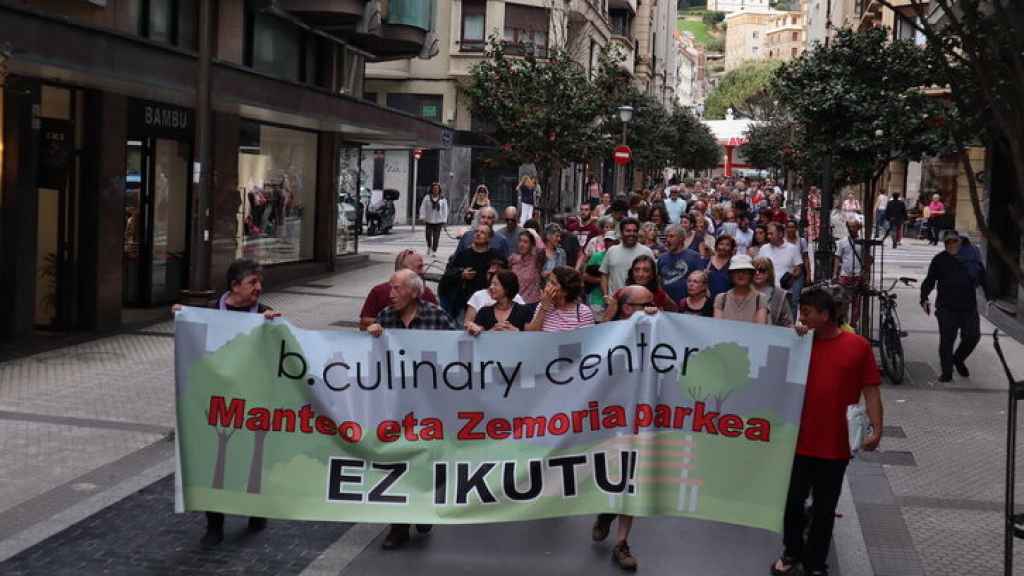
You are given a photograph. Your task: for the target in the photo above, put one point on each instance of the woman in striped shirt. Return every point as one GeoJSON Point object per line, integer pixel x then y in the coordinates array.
{"type": "Point", "coordinates": [560, 309]}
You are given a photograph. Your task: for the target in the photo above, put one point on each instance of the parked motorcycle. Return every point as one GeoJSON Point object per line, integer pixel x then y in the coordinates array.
{"type": "Point", "coordinates": [380, 216]}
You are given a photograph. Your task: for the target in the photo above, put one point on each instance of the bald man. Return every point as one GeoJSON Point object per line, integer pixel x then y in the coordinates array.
{"type": "Point", "coordinates": [380, 295]}
{"type": "Point", "coordinates": [633, 300]}
{"type": "Point", "coordinates": [511, 230]}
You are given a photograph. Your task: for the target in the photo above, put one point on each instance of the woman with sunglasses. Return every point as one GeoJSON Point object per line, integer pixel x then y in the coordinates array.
{"type": "Point", "coordinates": [742, 302]}
{"type": "Point", "coordinates": [779, 312]}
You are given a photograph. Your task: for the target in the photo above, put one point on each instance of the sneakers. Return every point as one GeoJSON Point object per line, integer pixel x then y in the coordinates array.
{"type": "Point", "coordinates": [397, 536]}
{"type": "Point", "coordinates": [602, 524]}
{"type": "Point", "coordinates": [961, 369]}
{"type": "Point", "coordinates": [623, 557]}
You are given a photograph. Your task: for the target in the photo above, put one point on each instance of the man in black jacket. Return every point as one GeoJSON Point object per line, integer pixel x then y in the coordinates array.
{"type": "Point", "coordinates": [896, 215]}
{"type": "Point", "coordinates": [956, 306]}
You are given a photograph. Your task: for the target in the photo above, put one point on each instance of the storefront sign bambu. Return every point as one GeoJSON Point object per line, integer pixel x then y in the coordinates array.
{"type": "Point", "coordinates": [156, 119]}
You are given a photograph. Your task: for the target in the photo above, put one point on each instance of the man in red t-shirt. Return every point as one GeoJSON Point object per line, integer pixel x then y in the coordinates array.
{"type": "Point", "coordinates": [379, 297]}
{"type": "Point", "coordinates": [842, 369]}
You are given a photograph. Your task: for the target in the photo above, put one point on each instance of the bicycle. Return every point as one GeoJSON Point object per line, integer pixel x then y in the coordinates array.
{"type": "Point", "coordinates": [890, 336]}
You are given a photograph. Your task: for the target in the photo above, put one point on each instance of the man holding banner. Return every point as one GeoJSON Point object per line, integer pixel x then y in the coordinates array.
{"type": "Point", "coordinates": [407, 311]}
{"type": "Point", "coordinates": [842, 368]}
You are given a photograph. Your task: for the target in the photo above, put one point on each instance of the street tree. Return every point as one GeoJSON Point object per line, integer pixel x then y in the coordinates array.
{"type": "Point", "coordinates": [693, 145]}
{"type": "Point", "coordinates": [746, 89]}
{"type": "Point", "coordinates": [543, 111]}
{"type": "Point", "coordinates": [861, 101]}
{"type": "Point", "coordinates": [779, 144]}
{"type": "Point", "coordinates": [976, 48]}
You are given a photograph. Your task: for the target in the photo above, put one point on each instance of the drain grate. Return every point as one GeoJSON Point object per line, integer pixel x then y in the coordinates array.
{"type": "Point", "coordinates": [890, 457]}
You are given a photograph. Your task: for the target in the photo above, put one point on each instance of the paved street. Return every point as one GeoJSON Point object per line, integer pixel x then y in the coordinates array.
{"type": "Point", "coordinates": [86, 481]}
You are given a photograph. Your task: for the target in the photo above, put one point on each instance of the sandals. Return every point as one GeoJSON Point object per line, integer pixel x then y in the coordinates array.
{"type": "Point", "coordinates": [790, 567]}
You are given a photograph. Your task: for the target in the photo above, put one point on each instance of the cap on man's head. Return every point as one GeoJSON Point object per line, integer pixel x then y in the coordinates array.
{"type": "Point", "coordinates": [951, 236]}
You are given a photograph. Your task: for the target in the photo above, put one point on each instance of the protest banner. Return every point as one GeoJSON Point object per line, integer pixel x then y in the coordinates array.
{"type": "Point", "coordinates": [657, 415]}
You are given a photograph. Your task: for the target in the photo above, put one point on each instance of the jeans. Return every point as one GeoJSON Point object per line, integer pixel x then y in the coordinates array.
{"type": "Point", "coordinates": [822, 479]}
{"type": "Point", "coordinates": [968, 323]}
{"type": "Point", "coordinates": [433, 236]}
{"type": "Point", "coordinates": [794, 295]}
{"type": "Point", "coordinates": [881, 223]}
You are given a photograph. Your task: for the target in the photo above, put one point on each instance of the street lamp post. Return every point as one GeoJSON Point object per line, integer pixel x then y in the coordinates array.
{"type": "Point", "coordinates": [625, 115]}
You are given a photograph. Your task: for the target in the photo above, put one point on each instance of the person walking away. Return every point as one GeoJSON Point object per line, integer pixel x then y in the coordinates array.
{"type": "Point", "coordinates": [527, 263]}
{"type": "Point", "coordinates": [956, 305]}
{"type": "Point", "coordinates": [742, 303]}
{"type": "Point", "coordinates": [619, 259]}
{"type": "Point", "coordinates": [677, 263]}
{"type": "Point", "coordinates": [896, 216]}
{"type": "Point", "coordinates": [936, 218]}
{"type": "Point", "coordinates": [408, 311]}
{"type": "Point", "coordinates": [779, 311]}
{"type": "Point", "coordinates": [245, 286]}
{"type": "Point", "coordinates": [527, 195]}
{"type": "Point", "coordinates": [849, 270]}
{"type": "Point", "coordinates": [881, 221]}
{"type": "Point", "coordinates": [560, 309]}
{"type": "Point", "coordinates": [506, 313]}
{"type": "Point", "coordinates": [842, 369]}
{"type": "Point", "coordinates": [634, 300]}
{"type": "Point", "coordinates": [434, 214]}
{"type": "Point", "coordinates": [380, 295]}
{"type": "Point", "coordinates": [698, 300]}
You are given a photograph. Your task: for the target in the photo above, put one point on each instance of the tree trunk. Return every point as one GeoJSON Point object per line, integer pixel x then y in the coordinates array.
{"type": "Point", "coordinates": [256, 466]}
{"type": "Point", "coordinates": [218, 467]}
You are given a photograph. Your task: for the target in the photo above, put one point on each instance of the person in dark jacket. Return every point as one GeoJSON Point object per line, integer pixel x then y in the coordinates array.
{"type": "Point", "coordinates": [896, 215]}
{"type": "Point", "coordinates": [956, 307]}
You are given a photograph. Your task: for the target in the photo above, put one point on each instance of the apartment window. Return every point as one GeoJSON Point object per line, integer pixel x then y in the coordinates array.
{"type": "Point", "coordinates": [755, 35]}
{"type": "Point", "coordinates": [904, 30]}
{"type": "Point", "coordinates": [274, 46]}
{"type": "Point", "coordinates": [426, 106]}
{"type": "Point", "coordinates": [795, 37]}
{"type": "Point", "coordinates": [169, 21]}
{"type": "Point", "coordinates": [792, 51]}
{"type": "Point", "coordinates": [526, 27]}
{"type": "Point", "coordinates": [620, 21]}
{"type": "Point", "coordinates": [474, 19]}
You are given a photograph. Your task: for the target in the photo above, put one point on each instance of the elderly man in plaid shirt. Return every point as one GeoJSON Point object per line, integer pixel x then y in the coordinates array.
{"type": "Point", "coordinates": [408, 311]}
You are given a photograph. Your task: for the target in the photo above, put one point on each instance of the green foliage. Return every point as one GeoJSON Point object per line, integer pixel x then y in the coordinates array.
{"type": "Point", "coordinates": [778, 144]}
{"type": "Point", "coordinates": [861, 100]}
{"type": "Point", "coordinates": [746, 89]}
{"type": "Point", "coordinates": [715, 44]}
{"type": "Point", "coordinates": [697, 28]}
{"type": "Point", "coordinates": [711, 19]}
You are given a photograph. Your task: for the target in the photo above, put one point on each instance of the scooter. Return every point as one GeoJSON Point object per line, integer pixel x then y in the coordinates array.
{"type": "Point", "coordinates": [380, 216]}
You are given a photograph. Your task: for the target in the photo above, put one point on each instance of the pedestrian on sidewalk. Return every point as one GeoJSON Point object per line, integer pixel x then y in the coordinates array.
{"type": "Point", "coordinates": [633, 299]}
{"type": "Point", "coordinates": [434, 213]}
{"type": "Point", "coordinates": [956, 304]}
{"type": "Point", "coordinates": [527, 194]}
{"type": "Point", "coordinates": [842, 369]}
{"type": "Point", "coordinates": [245, 285]}
{"type": "Point", "coordinates": [896, 215]}
{"type": "Point", "coordinates": [378, 298]}
{"type": "Point", "coordinates": [849, 269]}
{"type": "Point", "coordinates": [408, 311]}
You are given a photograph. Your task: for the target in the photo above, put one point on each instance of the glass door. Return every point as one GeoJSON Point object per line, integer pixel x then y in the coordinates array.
{"type": "Point", "coordinates": [156, 221]}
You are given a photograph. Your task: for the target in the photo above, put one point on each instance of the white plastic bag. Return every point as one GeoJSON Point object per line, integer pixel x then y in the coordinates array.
{"type": "Point", "coordinates": [857, 422]}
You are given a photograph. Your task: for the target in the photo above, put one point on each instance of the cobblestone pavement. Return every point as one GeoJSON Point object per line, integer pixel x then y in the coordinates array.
{"type": "Point", "coordinates": [84, 485]}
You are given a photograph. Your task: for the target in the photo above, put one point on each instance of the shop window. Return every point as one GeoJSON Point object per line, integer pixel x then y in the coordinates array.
{"type": "Point", "coordinates": [620, 21]}
{"type": "Point", "coordinates": [526, 29]}
{"type": "Point", "coordinates": [169, 21]}
{"type": "Point", "coordinates": [474, 20]}
{"type": "Point", "coordinates": [277, 185]}
{"type": "Point", "coordinates": [349, 206]}
{"type": "Point", "coordinates": [427, 106]}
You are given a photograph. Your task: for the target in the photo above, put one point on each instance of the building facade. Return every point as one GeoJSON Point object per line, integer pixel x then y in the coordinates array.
{"type": "Point", "coordinates": [109, 202]}
{"type": "Point", "coordinates": [692, 73]}
{"type": "Point", "coordinates": [745, 36]}
{"type": "Point", "coordinates": [786, 38]}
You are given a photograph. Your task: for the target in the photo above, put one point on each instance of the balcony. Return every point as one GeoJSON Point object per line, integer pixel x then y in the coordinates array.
{"type": "Point", "coordinates": [627, 53]}
{"type": "Point", "coordinates": [390, 30]}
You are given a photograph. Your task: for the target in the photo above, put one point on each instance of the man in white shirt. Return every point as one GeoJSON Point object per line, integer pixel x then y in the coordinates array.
{"type": "Point", "coordinates": [675, 206]}
{"type": "Point", "coordinates": [744, 234]}
{"type": "Point", "coordinates": [785, 257]}
{"type": "Point", "coordinates": [619, 259]}
{"type": "Point", "coordinates": [881, 202]}
{"type": "Point", "coordinates": [848, 268]}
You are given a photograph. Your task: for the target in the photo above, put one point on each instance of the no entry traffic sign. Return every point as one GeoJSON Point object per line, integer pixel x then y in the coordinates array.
{"type": "Point", "coordinates": [623, 154]}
